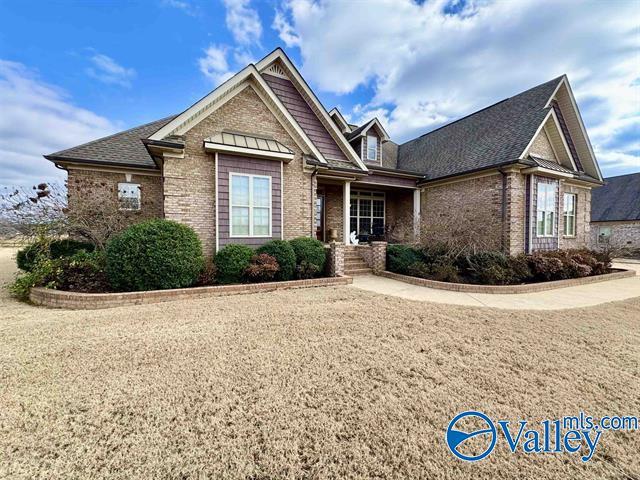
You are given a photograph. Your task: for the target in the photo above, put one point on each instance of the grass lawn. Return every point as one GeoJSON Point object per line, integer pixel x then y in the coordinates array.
{"type": "Point", "coordinates": [316, 383]}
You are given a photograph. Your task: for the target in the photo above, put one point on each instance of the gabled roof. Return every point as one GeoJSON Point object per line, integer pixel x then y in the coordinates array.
{"type": "Point", "coordinates": [486, 138]}
{"type": "Point", "coordinates": [335, 114]}
{"type": "Point", "coordinates": [617, 200]}
{"type": "Point", "coordinates": [124, 149]}
{"type": "Point", "coordinates": [364, 128]}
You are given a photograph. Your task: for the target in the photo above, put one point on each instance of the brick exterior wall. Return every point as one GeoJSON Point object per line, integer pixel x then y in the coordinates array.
{"type": "Point", "coordinates": [583, 216]}
{"type": "Point", "coordinates": [335, 259]}
{"type": "Point", "coordinates": [333, 210]}
{"type": "Point", "coordinates": [399, 215]}
{"type": "Point", "coordinates": [623, 234]}
{"type": "Point", "coordinates": [515, 233]}
{"type": "Point", "coordinates": [473, 205]}
{"type": "Point", "coordinates": [190, 182]}
{"type": "Point", "coordinates": [97, 188]}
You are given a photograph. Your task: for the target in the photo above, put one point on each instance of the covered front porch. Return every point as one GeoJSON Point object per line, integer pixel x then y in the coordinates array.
{"type": "Point", "coordinates": [377, 208]}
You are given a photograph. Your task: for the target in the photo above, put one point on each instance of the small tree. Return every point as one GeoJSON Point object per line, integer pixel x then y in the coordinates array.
{"type": "Point", "coordinates": [42, 213]}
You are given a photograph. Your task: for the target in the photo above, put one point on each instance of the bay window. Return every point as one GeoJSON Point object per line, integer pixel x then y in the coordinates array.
{"type": "Point", "coordinates": [569, 215]}
{"type": "Point", "coordinates": [250, 205]}
{"type": "Point", "coordinates": [546, 209]}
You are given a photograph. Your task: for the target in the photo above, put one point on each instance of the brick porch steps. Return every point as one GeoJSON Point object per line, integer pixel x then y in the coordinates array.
{"type": "Point", "coordinates": [353, 263]}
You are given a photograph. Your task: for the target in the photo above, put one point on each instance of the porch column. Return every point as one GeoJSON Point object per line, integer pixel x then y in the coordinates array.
{"type": "Point", "coordinates": [416, 215]}
{"type": "Point", "coordinates": [346, 204]}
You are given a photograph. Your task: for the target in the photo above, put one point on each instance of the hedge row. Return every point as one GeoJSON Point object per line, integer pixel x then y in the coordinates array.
{"type": "Point", "coordinates": [495, 268]}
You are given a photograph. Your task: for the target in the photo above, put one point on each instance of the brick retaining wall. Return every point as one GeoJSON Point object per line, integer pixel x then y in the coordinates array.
{"type": "Point", "coordinates": [92, 301]}
{"type": "Point", "coordinates": [528, 288]}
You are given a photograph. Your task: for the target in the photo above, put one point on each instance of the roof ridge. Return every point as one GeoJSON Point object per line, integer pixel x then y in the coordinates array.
{"type": "Point", "coordinates": [622, 175]}
{"type": "Point", "coordinates": [55, 154]}
{"type": "Point", "coordinates": [557, 79]}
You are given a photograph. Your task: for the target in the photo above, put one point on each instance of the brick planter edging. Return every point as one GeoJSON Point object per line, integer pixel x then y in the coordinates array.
{"type": "Point", "coordinates": [91, 301]}
{"type": "Point", "coordinates": [526, 288]}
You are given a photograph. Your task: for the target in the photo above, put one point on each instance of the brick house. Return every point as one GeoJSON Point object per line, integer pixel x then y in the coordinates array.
{"type": "Point", "coordinates": [615, 214]}
{"type": "Point", "coordinates": [260, 158]}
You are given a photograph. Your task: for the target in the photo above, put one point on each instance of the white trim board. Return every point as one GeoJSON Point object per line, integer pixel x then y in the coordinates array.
{"type": "Point", "coordinates": [229, 89]}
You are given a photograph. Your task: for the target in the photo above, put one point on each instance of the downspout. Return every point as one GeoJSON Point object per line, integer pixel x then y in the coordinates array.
{"type": "Point", "coordinates": [313, 204]}
{"type": "Point", "coordinates": [503, 244]}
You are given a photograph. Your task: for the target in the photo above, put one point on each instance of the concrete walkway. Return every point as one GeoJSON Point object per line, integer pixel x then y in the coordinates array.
{"type": "Point", "coordinates": [570, 297]}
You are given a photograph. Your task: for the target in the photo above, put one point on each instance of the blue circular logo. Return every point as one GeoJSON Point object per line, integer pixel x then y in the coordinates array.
{"type": "Point", "coordinates": [456, 438]}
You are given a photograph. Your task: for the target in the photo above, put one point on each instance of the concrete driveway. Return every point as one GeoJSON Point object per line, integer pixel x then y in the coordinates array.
{"type": "Point", "coordinates": [569, 297]}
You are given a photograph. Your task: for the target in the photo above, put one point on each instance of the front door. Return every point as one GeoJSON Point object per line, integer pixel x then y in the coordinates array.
{"type": "Point", "coordinates": [320, 217]}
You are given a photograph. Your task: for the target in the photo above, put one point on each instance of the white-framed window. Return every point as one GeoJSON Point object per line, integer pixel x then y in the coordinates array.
{"type": "Point", "coordinates": [129, 196]}
{"type": "Point", "coordinates": [569, 214]}
{"type": "Point", "coordinates": [250, 205]}
{"type": "Point", "coordinates": [372, 148]}
{"type": "Point", "coordinates": [367, 213]}
{"type": "Point", "coordinates": [546, 209]}
{"type": "Point", "coordinates": [604, 235]}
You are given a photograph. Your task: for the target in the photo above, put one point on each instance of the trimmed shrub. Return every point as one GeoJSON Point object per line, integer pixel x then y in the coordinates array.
{"type": "Point", "coordinates": [207, 275]}
{"type": "Point", "coordinates": [232, 262]}
{"type": "Point", "coordinates": [285, 256]}
{"type": "Point", "coordinates": [309, 250]}
{"type": "Point", "coordinates": [154, 255]}
{"type": "Point", "coordinates": [263, 268]}
{"type": "Point", "coordinates": [545, 268]}
{"type": "Point", "coordinates": [27, 256]}
{"type": "Point", "coordinates": [520, 271]}
{"type": "Point", "coordinates": [306, 270]}
{"type": "Point", "coordinates": [419, 269]}
{"type": "Point", "coordinates": [84, 272]}
{"type": "Point", "coordinates": [486, 268]}
{"type": "Point", "coordinates": [400, 257]}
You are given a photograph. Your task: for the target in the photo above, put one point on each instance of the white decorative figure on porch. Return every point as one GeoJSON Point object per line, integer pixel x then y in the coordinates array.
{"type": "Point", "coordinates": [354, 238]}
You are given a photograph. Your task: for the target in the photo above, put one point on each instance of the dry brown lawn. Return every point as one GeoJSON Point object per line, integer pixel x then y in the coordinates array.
{"type": "Point", "coordinates": [317, 383]}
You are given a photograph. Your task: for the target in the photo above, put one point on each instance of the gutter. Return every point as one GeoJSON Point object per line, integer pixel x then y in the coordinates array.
{"type": "Point", "coordinates": [56, 159]}
{"type": "Point", "coordinates": [475, 170]}
{"type": "Point", "coordinates": [503, 212]}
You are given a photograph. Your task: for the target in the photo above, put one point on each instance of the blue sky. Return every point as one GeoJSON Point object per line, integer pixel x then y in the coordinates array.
{"type": "Point", "coordinates": [74, 71]}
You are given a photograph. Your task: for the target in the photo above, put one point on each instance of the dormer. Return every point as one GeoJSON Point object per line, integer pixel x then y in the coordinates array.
{"type": "Point", "coordinates": [367, 140]}
{"type": "Point", "coordinates": [340, 121]}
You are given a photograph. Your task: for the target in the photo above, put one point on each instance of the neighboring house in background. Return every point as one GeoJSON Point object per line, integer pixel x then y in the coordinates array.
{"type": "Point", "coordinates": [615, 213]}
{"type": "Point", "coordinates": [260, 158]}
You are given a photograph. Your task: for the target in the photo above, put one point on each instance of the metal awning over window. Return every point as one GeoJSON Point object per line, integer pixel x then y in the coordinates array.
{"type": "Point", "coordinates": [244, 144]}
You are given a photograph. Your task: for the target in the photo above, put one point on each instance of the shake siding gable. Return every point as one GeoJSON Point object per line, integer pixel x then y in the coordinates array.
{"type": "Point", "coordinates": [304, 115]}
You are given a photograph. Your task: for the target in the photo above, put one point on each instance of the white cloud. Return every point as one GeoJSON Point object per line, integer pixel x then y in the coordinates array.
{"type": "Point", "coordinates": [427, 65]}
{"type": "Point", "coordinates": [186, 7]}
{"type": "Point", "coordinates": [108, 71]}
{"type": "Point", "coordinates": [243, 22]}
{"type": "Point", "coordinates": [214, 64]}
{"type": "Point", "coordinates": [38, 119]}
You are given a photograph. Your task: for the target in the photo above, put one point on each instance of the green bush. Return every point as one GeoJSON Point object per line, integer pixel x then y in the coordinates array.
{"type": "Point", "coordinates": [285, 256]}
{"type": "Point", "coordinates": [400, 257]}
{"type": "Point", "coordinates": [309, 250]}
{"type": "Point", "coordinates": [154, 255]}
{"type": "Point", "coordinates": [27, 256]}
{"type": "Point", "coordinates": [84, 272]}
{"type": "Point", "coordinates": [486, 268]}
{"type": "Point", "coordinates": [263, 268]}
{"type": "Point", "coordinates": [45, 272]}
{"type": "Point", "coordinates": [232, 262]}
{"type": "Point", "coordinates": [306, 270]}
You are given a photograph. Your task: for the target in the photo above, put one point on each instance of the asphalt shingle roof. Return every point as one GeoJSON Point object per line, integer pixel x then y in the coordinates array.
{"type": "Point", "coordinates": [617, 200]}
{"type": "Point", "coordinates": [489, 137]}
{"type": "Point", "coordinates": [124, 148]}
